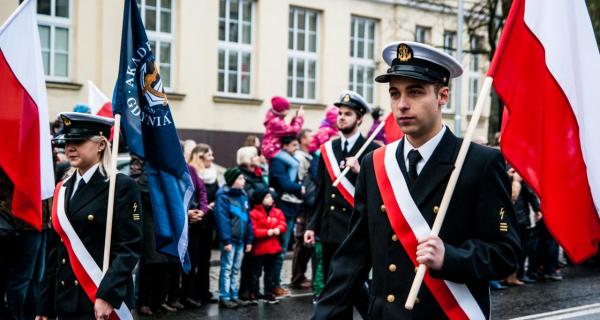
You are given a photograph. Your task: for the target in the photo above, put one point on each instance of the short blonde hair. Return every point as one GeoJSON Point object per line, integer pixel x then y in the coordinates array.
{"type": "Point", "coordinates": [245, 154]}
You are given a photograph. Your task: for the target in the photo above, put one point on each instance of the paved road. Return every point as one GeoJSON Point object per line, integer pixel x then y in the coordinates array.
{"type": "Point", "coordinates": [580, 287]}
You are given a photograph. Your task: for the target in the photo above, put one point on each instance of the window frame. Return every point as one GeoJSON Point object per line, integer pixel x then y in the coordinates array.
{"type": "Point", "coordinates": [451, 50]}
{"type": "Point", "coordinates": [366, 63]}
{"type": "Point", "coordinates": [475, 74]}
{"type": "Point", "coordinates": [426, 31]}
{"type": "Point", "coordinates": [53, 22]}
{"type": "Point", "coordinates": [240, 47]}
{"type": "Point", "coordinates": [305, 55]}
{"type": "Point", "coordinates": [160, 37]}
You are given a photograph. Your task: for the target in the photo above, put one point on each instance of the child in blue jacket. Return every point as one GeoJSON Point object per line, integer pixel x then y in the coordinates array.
{"type": "Point", "coordinates": [235, 231]}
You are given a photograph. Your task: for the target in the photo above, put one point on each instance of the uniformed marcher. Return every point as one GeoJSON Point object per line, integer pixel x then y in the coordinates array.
{"type": "Point", "coordinates": [333, 205]}
{"type": "Point", "coordinates": [398, 192]}
{"type": "Point", "coordinates": [73, 285]}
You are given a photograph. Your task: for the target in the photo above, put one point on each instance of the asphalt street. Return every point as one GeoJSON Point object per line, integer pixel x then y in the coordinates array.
{"type": "Point", "coordinates": [580, 288]}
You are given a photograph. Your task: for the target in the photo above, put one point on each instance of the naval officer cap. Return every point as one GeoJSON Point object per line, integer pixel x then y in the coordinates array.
{"type": "Point", "coordinates": [419, 61]}
{"type": "Point", "coordinates": [82, 126]}
{"type": "Point", "coordinates": [353, 100]}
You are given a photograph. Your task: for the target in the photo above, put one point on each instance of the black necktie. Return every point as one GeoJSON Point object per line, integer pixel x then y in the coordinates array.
{"type": "Point", "coordinates": [345, 150]}
{"type": "Point", "coordinates": [413, 158]}
{"type": "Point", "coordinates": [80, 186]}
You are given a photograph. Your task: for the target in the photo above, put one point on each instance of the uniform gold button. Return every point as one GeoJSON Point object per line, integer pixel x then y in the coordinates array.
{"type": "Point", "coordinates": [331, 208]}
{"type": "Point", "coordinates": [61, 240]}
{"type": "Point", "coordinates": [392, 267]}
{"type": "Point", "coordinates": [417, 300]}
{"type": "Point", "coordinates": [62, 283]}
{"type": "Point", "coordinates": [382, 208]}
{"type": "Point", "coordinates": [333, 196]}
{"type": "Point", "coordinates": [344, 209]}
{"type": "Point", "coordinates": [76, 282]}
{"type": "Point", "coordinates": [394, 237]}
{"type": "Point", "coordinates": [436, 209]}
{"type": "Point", "coordinates": [91, 217]}
{"type": "Point", "coordinates": [63, 261]}
{"type": "Point", "coordinates": [391, 298]}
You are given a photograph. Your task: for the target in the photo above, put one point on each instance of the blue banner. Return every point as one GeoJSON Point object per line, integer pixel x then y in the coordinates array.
{"type": "Point", "coordinates": [149, 130]}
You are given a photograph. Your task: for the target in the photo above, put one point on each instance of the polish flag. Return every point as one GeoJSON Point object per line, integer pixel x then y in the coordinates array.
{"type": "Point", "coordinates": [546, 71]}
{"type": "Point", "coordinates": [25, 150]}
{"type": "Point", "coordinates": [392, 129]}
{"type": "Point", "coordinates": [99, 103]}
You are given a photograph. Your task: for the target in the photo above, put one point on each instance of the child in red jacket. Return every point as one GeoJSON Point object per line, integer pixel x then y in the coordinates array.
{"type": "Point", "coordinates": [268, 223]}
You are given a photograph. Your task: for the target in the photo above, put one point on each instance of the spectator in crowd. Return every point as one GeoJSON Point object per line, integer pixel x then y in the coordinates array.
{"type": "Point", "coordinates": [380, 139]}
{"type": "Point", "coordinates": [543, 254]}
{"type": "Point", "coordinates": [151, 281]}
{"type": "Point", "coordinates": [20, 245]}
{"type": "Point", "coordinates": [276, 128]}
{"type": "Point", "coordinates": [248, 162]}
{"type": "Point", "coordinates": [268, 223]}
{"type": "Point", "coordinates": [201, 159]}
{"type": "Point", "coordinates": [284, 185]}
{"type": "Point", "coordinates": [523, 199]}
{"type": "Point", "coordinates": [253, 141]}
{"type": "Point", "coordinates": [235, 232]}
{"type": "Point", "coordinates": [302, 252]}
{"type": "Point", "coordinates": [188, 146]}
{"type": "Point", "coordinates": [328, 129]}
{"type": "Point", "coordinates": [194, 284]}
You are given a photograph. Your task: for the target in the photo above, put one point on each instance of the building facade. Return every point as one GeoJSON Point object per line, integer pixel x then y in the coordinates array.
{"type": "Point", "coordinates": [222, 60]}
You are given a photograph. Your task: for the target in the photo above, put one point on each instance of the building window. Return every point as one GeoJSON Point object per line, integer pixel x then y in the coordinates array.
{"type": "Point", "coordinates": [474, 71]}
{"type": "Point", "coordinates": [158, 21]}
{"type": "Point", "coordinates": [303, 39]}
{"type": "Point", "coordinates": [423, 34]}
{"type": "Point", "coordinates": [449, 48]}
{"type": "Point", "coordinates": [362, 53]}
{"type": "Point", "coordinates": [54, 26]}
{"type": "Point", "coordinates": [235, 47]}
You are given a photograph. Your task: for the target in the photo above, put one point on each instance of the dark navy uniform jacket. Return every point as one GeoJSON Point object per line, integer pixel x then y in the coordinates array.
{"type": "Point", "coordinates": [61, 292]}
{"type": "Point", "coordinates": [331, 217]}
{"type": "Point", "coordinates": [478, 247]}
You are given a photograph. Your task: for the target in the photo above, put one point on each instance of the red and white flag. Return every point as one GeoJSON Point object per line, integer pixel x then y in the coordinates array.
{"type": "Point", "coordinates": [392, 129]}
{"type": "Point", "coordinates": [99, 103]}
{"type": "Point", "coordinates": [545, 71]}
{"type": "Point", "coordinates": [25, 150]}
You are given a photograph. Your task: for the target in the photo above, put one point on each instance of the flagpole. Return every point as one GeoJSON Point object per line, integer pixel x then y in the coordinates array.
{"type": "Point", "coordinates": [361, 151]}
{"type": "Point", "coordinates": [462, 153]}
{"type": "Point", "coordinates": [111, 193]}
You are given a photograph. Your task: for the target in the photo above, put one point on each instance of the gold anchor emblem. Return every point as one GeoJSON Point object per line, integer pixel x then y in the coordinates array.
{"type": "Point", "coordinates": [66, 121]}
{"type": "Point", "coordinates": [404, 52]}
{"type": "Point", "coordinates": [346, 98]}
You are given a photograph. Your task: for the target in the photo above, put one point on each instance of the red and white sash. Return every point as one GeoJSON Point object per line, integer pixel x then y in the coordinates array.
{"type": "Point", "coordinates": [345, 187]}
{"type": "Point", "coordinates": [409, 225]}
{"type": "Point", "coordinates": [87, 272]}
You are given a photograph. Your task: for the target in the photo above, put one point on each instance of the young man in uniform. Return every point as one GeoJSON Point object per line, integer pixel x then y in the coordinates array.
{"type": "Point", "coordinates": [397, 196]}
{"type": "Point", "coordinates": [334, 205]}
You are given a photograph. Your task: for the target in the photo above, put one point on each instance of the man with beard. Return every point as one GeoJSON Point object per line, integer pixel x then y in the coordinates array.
{"type": "Point", "coordinates": [334, 205]}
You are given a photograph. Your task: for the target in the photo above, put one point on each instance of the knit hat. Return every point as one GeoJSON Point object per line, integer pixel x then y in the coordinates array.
{"type": "Point", "coordinates": [331, 115]}
{"type": "Point", "coordinates": [259, 195]}
{"type": "Point", "coordinates": [231, 175]}
{"type": "Point", "coordinates": [280, 104]}
{"type": "Point", "coordinates": [245, 155]}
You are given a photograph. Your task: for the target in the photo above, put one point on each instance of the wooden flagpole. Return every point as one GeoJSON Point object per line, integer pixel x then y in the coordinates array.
{"type": "Point", "coordinates": [111, 193]}
{"type": "Point", "coordinates": [439, 219]}
{"type": "Point", "coordinates": [361, 150]}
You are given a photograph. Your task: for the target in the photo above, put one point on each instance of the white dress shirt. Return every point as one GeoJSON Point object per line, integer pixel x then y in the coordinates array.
{"type": "Point", "coordinates": [86, 177]}
{"type": "Point", "coordinates": [426, 150]}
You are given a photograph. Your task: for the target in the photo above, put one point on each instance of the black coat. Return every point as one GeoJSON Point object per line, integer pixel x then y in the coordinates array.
{"type": "Point", "coordinates": [476, 250]}
{"type": "Point", "coordinates": [524, 200]}
{"type": "Point", "coordinates": [331, 217]}
{"type": "Point", "coordinates": [60, 291]}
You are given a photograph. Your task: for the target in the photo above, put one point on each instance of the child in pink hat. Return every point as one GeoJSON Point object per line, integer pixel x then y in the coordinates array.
{"type": "Point", "coordinates": [276, 127]}
{"type": "Point", "coordinates": [327, 130]}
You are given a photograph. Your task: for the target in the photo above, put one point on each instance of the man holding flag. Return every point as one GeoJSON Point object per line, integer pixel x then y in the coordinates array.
{"type": "Point", "coordinates": [398, 192]}
{"type": "Point", "coordinates": [150, 133]}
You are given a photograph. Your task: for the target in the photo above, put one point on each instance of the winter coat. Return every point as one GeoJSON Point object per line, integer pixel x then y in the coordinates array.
{"type": "Point", "coordinates": [280, 181]}
{"type": "Point", "coordinates": [231, 213]}
{"type": "Point", "coordinates": [275, 128]}
{"type": "Point", "coordinates": [261, 223]}
{"type": "Point", "coordinates": [322, 135]}
{"type": "Point", "coordinates": [253, 182]}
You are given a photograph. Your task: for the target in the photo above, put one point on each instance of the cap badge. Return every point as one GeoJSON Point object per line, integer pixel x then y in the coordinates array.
{"type": "Point", "coordinates": [347, 98]}
{"type": "Point", "coordinates": [404, 53]}
{"type": "Point", "coordinates": [66, 121]}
